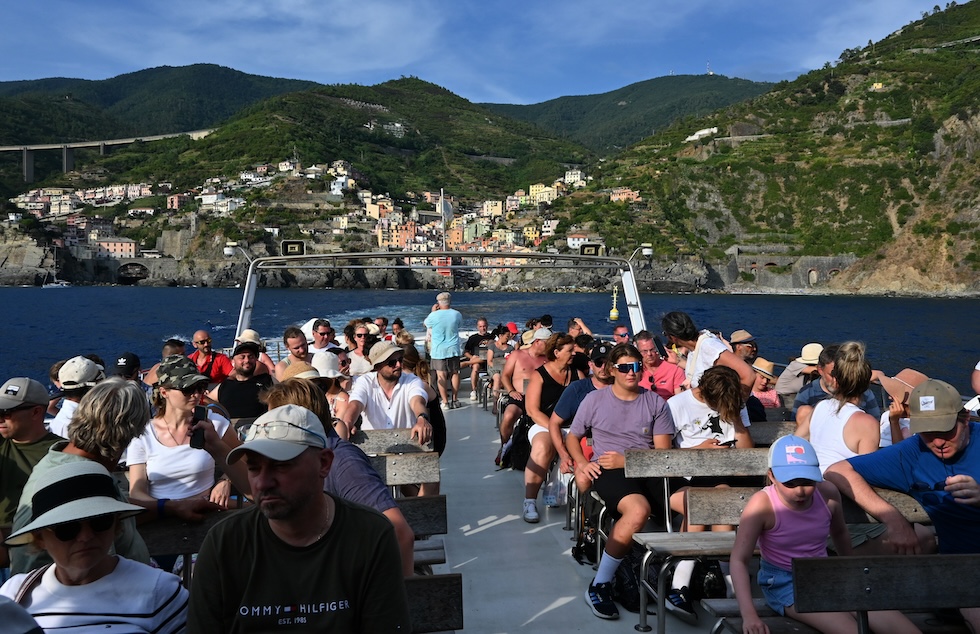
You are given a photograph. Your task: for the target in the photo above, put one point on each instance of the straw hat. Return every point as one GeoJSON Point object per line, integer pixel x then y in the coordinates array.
{"type": "Point", "coordinates": [764, 367]}
{"type": "Point", "coordinates": [73, 491]}
{"type": "Point", "coordinates": [251, 336]}
{"type": "Point", "coordinates": [810, 355]}
{"type": "Point", "coordinates": [300, 370]}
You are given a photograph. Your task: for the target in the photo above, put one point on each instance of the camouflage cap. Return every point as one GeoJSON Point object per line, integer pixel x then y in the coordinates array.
{"type": "Point", "coordinates": [179, 372]}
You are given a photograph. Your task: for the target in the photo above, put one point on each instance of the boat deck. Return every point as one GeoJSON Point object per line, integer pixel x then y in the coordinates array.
{"type": "Point", "coordinates": [517, 577]}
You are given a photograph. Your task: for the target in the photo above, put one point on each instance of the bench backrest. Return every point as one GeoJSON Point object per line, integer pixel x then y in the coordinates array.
{"type": "Point", "coordinates": [669, 463]}
{"type": "Point", "coordinates": [766, 433]}
{"type": "Point", "coordinates": [886, 582]}
{"type": "Point", "coordinates": [407, 468]}
{"type": "Point", "coordinates": [378, 441]}
{"type": "Point", "coordinates": [725, 506]}
{"type": "Point", "coordinates": [435, 602]}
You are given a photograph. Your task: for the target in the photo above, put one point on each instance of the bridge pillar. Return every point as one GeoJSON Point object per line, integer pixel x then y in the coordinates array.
{"type": "Point", "coordinates": [67, 159]}
{"type": "Point", "coordinates": [103, 149]}
{"type": "Point", "coordinates": [27, 157]}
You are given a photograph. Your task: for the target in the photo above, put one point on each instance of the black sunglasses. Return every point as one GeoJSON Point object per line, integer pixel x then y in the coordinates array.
{"type": "Point", "coordinates": [393, 362]}
{"type": "Point", "coordinates": [323, 334]}
{"type": "Point", "coordinates": [360, 334]}
{"type": "Point", "coordinates": [202, 342]}
{"type": "Point", "coordinates": [621, 334]}
{"type": "Point", "coordinates": [626, 367]}
{"type": "Point", "coordinates": [200, 388]}
{"type": "Point", "coordinates": [4, 413]}
{"type": "Point", "coordinates": [70, 530]}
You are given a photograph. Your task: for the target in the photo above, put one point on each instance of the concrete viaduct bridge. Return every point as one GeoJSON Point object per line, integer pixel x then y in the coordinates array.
{"type": "Point", "coordinates": [68, 149]}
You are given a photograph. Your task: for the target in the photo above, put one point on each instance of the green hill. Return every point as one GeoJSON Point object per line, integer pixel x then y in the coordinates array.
{"type": "Point", "coordinates": [434, 139]}
{"type": "Point", "coordinates": [155, 100]}
{"type": "Point", "coordinates": [876, 155]}
{"type": "Point", "coordinates": [610, 121]}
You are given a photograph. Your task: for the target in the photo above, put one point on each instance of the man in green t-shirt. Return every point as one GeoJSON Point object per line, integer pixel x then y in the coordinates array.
{"type": "Point", "coordinates": [23, 442]}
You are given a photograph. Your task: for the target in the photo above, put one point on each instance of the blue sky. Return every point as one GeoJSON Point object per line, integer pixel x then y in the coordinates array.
{"type": "Point", "coordinates": [501, 51]}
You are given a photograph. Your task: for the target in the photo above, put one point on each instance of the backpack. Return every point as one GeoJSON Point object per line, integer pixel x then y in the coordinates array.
{"type": "Point", "coordinates": [584, 550]}
{"type": "Point", "coordinates": [520, 449]}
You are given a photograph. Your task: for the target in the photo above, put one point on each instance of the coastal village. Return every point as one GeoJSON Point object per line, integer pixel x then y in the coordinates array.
{"type": "Point", "coordinates": [427, 221]}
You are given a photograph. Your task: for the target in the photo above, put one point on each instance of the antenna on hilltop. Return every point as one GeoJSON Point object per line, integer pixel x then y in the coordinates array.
{"type": "Point", "coordinates": [709, 68]}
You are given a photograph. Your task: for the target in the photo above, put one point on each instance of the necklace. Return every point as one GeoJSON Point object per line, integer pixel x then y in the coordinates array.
{"type": "Point", "coordinates": [171, 433]}
{"type": "Point", "coordinates": [326, 526]}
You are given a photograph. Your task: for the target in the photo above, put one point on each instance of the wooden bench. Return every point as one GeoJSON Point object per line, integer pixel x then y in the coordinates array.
{"type": "Point", "coordinates": [726, 505]}
{"type": "Point", "coordinates": [766, 433]}
{"type": "Point", "coordinates": [672, 548]}
{"type": "Point", "coordinates": [913, 584]}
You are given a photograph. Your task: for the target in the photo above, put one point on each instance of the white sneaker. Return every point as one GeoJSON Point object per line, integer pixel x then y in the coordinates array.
{"type": "Point", "coordinates": [473, 396]}
{"type": "Point", "coordinates": [531, 512]}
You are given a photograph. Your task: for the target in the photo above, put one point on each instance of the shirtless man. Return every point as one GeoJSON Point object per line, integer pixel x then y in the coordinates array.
{"type": "Point", "coordinates": [299, 350]}
{"type": "Point", "coordinates": [519, 367]}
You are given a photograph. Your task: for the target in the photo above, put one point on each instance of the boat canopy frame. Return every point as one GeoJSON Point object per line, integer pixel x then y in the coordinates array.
{"type": "Point", "coordinates": [458, 260]}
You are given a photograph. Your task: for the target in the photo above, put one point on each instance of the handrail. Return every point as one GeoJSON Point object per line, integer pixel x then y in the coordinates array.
{"type": "Point", "coordinates": [409, 260]}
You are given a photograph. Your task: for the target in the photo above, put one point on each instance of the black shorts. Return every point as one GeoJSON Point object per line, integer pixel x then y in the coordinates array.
{"type": "Point", "coordinates": [612, 485]}
{"type": "Point", "coordinates": [519, 402]}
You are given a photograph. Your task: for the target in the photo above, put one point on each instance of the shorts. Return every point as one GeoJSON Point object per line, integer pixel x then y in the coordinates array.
{"type": "Point", "coordinates": [507, 401]}
{"type": "Point", "coordinates": [450, 365]}
{"type": "Point", "coordinates": [612, 485]}
{"type": "Point", "coordinates": [538, 429]}
{"type": "Point", "coordinates": [777, 586]}
{"type": "Point", "coordinates": [860, 534]}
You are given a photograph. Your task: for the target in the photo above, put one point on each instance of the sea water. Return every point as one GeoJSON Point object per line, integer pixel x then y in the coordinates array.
{"type": "Point", "coordinates": [41, 326]}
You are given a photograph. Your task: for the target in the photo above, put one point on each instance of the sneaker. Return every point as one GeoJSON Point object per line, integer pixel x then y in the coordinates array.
{"type": "Point", "coordinates": [599, 598]}
{"type": "Point", "coordinates": [473, 396]}
{"type": "Point", "coordinates": [457, 404]}
{"type": "Point", "coordinates": [680, 606]}
{"type": "Point", "coordinates": [531, 512]}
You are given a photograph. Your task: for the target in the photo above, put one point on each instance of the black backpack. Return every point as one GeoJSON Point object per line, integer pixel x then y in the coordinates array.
{"type": "Point", "coordinates": [520, 449]}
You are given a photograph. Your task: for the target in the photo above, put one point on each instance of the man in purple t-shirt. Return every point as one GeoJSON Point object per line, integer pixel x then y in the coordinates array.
{"type": "Point", "coordinates": [625, 416]}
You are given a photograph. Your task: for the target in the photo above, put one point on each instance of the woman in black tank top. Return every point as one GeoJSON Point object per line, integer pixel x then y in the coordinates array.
{"type": "Point", "coordinates": [544, 389]}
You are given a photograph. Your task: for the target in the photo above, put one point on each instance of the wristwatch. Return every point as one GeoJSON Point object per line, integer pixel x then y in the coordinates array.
{"type": "Point", "coordinates": [425, 416]}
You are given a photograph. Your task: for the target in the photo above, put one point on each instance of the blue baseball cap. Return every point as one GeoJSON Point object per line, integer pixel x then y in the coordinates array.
{"type": "Point", "coordinates": [793, 458]}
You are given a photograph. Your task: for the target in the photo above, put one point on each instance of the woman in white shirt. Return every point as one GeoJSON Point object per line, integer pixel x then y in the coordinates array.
{"type": "Point", "coordinates": [162, 463]}
{"type": "Point", "coordinates": [75, 517]}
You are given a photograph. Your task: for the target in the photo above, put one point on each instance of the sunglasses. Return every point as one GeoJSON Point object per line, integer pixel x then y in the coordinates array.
{"type": "Point", "coordinates": [626, 367]}
{"type": "Point", "coordinates": [200, 388]}
{"type": "Point", "coordinates": [360, 335]}
{"type": "Point", "coordinates": [277, 430]}
{"type": "Point", "coordinates": [4, 413]}
{"type": "Point", "coordinates": [323, 334]}
{"type": "Point", "coordinates": [202, 342]}
{"type": "Point", "coordinates": [393, 362]}
{"type": "Point", "coordinates": [343, 362]}
{"type": "Point", "coordinates": [70, 530]}
{"type": "Point", "coordinates": [621, 334]}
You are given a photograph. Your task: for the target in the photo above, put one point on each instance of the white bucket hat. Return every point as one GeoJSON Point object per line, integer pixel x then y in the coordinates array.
{"type": "Point", "coordinates": [73, 491]}
{"type": "Point", "coordinates": [328, 365]}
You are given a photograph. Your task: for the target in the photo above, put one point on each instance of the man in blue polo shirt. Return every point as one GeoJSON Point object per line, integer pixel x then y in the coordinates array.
{"type": "Point", "coordinates": [939, 466]}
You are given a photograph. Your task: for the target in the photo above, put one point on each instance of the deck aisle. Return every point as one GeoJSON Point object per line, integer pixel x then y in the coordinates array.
{"type": "Point", "coordinates": [517, 577]}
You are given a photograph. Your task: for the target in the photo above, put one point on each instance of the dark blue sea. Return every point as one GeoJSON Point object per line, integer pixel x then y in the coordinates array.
{"type": "Point", "coordinates": [40, 326]}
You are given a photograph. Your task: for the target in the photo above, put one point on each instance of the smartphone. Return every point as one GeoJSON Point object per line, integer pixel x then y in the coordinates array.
{"type": "Point", "coordinates": [197, 436]}
{"type": "Point", "coordinates": [727, 443]}
{"type": "Point", "coordinates": [661, 349]}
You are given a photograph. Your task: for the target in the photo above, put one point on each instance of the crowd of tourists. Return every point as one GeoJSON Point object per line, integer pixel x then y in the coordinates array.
{"type": "Point", "coordinates": [120, 444]}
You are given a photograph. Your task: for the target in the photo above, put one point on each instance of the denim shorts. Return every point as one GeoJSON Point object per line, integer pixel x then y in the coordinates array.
{"type": "Point", "coordinates": [777, 586]}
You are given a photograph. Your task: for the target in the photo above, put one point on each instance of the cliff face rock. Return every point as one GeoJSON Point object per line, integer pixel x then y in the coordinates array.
{"type": "Point", "coordinates": [22, 262]}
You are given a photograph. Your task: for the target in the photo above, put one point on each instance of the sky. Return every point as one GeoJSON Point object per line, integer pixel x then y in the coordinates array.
{"type": "Point", "coordinates": [499, 51]}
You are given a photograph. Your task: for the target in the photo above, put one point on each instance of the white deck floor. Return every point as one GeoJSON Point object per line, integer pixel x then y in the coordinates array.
{"type": "Point", "coordinates": [517, 577]}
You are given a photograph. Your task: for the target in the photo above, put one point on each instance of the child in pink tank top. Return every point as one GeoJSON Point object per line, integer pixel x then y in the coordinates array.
{"type": "Point", "coordinates": [792, 518]}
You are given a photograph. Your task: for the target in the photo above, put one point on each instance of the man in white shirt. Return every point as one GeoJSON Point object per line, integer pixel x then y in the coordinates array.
{"type": "Point", "coordinates": [389, 398]}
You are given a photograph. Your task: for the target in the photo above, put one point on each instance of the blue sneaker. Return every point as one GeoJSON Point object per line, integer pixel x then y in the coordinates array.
{"type": "Point", "coordinates": [599, 598]}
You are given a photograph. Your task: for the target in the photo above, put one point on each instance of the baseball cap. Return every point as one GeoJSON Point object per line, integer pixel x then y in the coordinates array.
{"type": "Point", "coordinates": [381, 351]}
{"type": "Point", "coordinates": [793, 458]}
{"type": "Point", "coordinates": [246, 346]}
{"type": "Point", "coordinates": [126, 364]}
{"type": "Point", "coordinates": [541, 333]}
{"type": "Point", "coordinates": [80, 372]}
{"type": "Point", "coordinates": [512, 327]}
{"type": "Point", "coordinates": [810, 355]}
{"type": "Point", "coordinates": [22, 391]}
{"type": "Point", "coordinates": [300, 370]}
{"type": "Point", "coordinates": [179, 372]}
{"type": "Point", "coordinates": [72, 491]}
{"type": "Point", "coordinates": [933, 407]}
{"type": "Point", "coordinates": [600, 350]}
{"type": "Point", "coordinates": [282, 434]}
{"type": "Point", "coordinates": [741, 336]}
